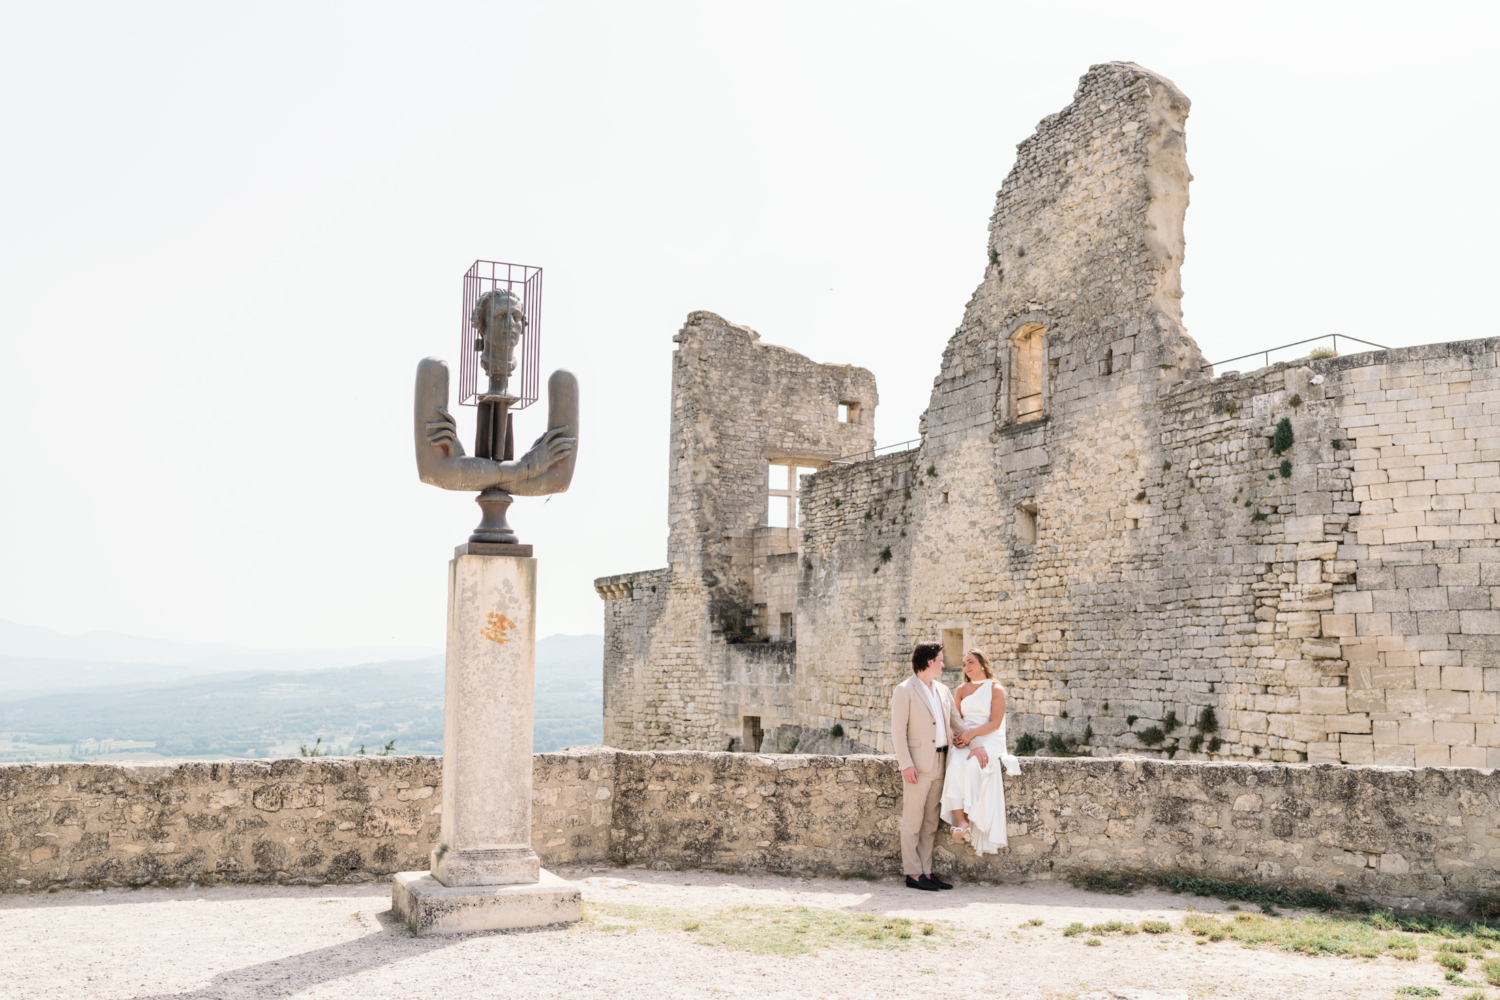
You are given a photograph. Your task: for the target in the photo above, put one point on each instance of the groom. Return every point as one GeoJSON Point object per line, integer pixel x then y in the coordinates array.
{"type": "Point", "coordinates": [923, 720]}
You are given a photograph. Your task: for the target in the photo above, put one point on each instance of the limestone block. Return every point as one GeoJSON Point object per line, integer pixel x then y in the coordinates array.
{"type": "Point", "coordinates": [1321, 649]}
{"type": "Point", "coordinates": [1455, 702]}
{"type": "Point", "coordinates": [1316, 550]}
{"type": "Point", "coordinates": [1415, 731]}
{"type": "Point", "coordinates": [429, 908]}
{"type": "Point", "coordinates": [1359, 651]}
{"type": "Point", "coordinates": [1323, 700]}
{"type": "Point", "coordinates": [1463, 678]}
{"type": "Point", "coordinates": [1323, 753]}
{"type": "Point", "coordinates": [1303, 624]}
{"type": "Point", "coordinates": [1453, 732]}
{"type": "Point", "coordinates": [1396, 755]}
{"type": "Point", "coordinates": [1307, 728]}
{"type": "Point", "coordinates": [1480, 622]}
{"type": "Point", "coordinates": [1356, 753]}
{"type": "Point", "coordinates": [1336, 625]}
{"type": "Point", "coordinates": [1432, 755]}
{"type": "Point", "coordinates": [1468, 756]}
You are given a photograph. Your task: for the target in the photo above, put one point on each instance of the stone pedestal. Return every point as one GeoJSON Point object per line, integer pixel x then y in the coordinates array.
{"type": "Point", "coordinates": [429, 908]}
{"type": "Point", "coordinates": [484, 873]}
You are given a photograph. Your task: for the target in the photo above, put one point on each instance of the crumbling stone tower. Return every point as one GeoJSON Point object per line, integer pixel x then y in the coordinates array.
{"type": "Point", "coordinates": [703, 651]}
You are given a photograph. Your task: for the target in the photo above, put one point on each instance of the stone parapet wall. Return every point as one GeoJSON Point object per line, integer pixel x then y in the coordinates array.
{"type": "Point", "coordinates": [1411, 837]}
{"type": "Point", "coordinates": [325, 818]}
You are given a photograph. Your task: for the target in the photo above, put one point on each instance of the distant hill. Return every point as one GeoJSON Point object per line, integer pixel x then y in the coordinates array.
{"type": "Point", "coordinates": [260, 713]}
{"type": "Point", "coordinates": [36, 660]}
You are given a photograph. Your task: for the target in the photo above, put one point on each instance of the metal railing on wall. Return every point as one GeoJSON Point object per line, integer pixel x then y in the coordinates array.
{"type": "Point", "coordinates": [1297, 343]}
{"type": "Point", "coordinates": [885, 449]}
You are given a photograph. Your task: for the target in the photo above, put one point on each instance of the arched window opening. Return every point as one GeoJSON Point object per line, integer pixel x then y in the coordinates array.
{"type": "Point", "coordinates": [1027, 350]}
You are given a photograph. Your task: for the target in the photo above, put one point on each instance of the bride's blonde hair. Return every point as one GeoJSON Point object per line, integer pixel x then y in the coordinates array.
{"type": "Point", "coordinates": [984, 662]}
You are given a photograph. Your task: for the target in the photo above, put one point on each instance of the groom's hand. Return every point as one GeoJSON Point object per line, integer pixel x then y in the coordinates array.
{"type": "Point", "coordinates": [909, 776]}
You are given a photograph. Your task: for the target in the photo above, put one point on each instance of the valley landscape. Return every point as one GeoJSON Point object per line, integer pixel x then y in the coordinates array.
{"type": "Point", "coordinates": [105, 697]}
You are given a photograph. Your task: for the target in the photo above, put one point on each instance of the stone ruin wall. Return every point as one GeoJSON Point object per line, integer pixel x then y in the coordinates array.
{"type": "Point", "coordinates": [1423, 838]}
{"type": "Point", "coordinates": [1357, 622]}
{"type": "Point", "coordinates": [737, 404]}
{"type": "Point", "coordinates": [1348, 614]}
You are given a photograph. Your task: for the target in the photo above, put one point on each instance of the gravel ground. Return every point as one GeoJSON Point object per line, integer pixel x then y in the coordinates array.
{"type": "Point", "coordinates": [340, 941]}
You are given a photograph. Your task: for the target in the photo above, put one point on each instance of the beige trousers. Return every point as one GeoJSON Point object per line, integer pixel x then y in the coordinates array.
{"type": "Point", "coordinates": [920, 804]}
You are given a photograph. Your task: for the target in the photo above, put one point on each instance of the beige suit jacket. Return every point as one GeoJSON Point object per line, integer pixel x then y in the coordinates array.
{"type": "Point", "coordinates": [913, 729]}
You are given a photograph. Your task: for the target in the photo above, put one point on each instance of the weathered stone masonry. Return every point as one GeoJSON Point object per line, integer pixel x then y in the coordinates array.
{"type": "Point", "coordinates": [1425, 837]}
{"type": "Point", "coordinates": [1108, 520]}
{"type": "Point", "coordinates": [738, 407]}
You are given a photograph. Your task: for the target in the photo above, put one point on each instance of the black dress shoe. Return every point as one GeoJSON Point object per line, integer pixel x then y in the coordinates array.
{"type": "Point", "coordinates": [920, 883]}
{"type": "Point", "coordinates": [937, 882]}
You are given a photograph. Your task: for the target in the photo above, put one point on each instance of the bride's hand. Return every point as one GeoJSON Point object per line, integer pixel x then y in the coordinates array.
{"type": "Point", "coordinates": [979, 755]}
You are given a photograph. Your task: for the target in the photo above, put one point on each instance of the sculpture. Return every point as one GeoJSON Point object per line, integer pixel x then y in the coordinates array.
{"type": "Point", "coordinates": [547, 466]}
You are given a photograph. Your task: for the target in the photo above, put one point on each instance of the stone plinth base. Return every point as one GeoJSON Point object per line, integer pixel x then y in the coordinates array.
{"type": "Point", "coordinates": [428, 907]}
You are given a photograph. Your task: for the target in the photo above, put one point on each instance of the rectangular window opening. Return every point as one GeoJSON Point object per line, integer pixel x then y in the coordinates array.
{"type": "Point", "coordinates": [750, 733]}
{"type": "Point", "coordinates": [1026, 524]}
{"type": "Point", "coordinates": [1027, 347]}
{"type": "Point", "coordinates": [788, 626]}
{"type": "Point", "coordinates": [848, 412]}
{"type": "Point", "coordinates": [953, 649]}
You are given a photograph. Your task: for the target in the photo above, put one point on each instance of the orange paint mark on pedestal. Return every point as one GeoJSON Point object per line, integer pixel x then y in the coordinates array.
{"type": "Point", "coordinates": [496, 628]}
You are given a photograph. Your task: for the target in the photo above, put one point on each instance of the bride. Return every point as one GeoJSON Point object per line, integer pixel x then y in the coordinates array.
{"type": "Point", "coordinates": [973, 795]}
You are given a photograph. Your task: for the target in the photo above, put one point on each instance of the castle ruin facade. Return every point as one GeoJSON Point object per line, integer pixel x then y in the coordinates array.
{"type": "Point", "coordinates": [1298, 563]}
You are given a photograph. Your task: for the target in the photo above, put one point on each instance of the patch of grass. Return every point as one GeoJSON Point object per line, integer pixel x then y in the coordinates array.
{"type": "Point", "coordinates": [862, 876]}
{"type": "Point", "coordinates": [1074, 929]}
{"type": "Point", "coordinates": [1259, 515]}
{"type": "Point", "coordinates": [1418, 991]}
{"type": "Point", "coordinates": [774, 930]}
{"type": "Point", "coordinates": [1491, 970]}
{"type": "Point", "coordinates": [1451, 960]}
{"type": "Point", "coordinates": [1093, 942]}
{"type": "Point", "coordinates": [1155, 926]}
{"type": "Point", "coordinates": [1033, 922]}
{"type": "Point", "coordinates": [1204, 926]}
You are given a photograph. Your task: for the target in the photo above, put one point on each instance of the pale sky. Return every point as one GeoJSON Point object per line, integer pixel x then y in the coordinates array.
{"type": "Point", "coordinates": [228, 232]}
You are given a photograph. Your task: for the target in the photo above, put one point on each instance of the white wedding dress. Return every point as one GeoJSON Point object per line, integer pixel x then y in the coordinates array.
{"type": "Point", "coordinates": [979, 792]}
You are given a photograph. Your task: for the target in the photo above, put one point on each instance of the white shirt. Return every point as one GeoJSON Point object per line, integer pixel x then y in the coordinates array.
{"type": "Point", "coordinates": [935, 706]}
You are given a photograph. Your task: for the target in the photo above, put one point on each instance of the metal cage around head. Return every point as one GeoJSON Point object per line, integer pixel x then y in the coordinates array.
{"type": "Point", "coordinates": [524, 282]}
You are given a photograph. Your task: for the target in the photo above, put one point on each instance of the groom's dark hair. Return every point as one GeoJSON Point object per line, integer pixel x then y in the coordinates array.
{"type": "Point", "coordinates": [922, 655]}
